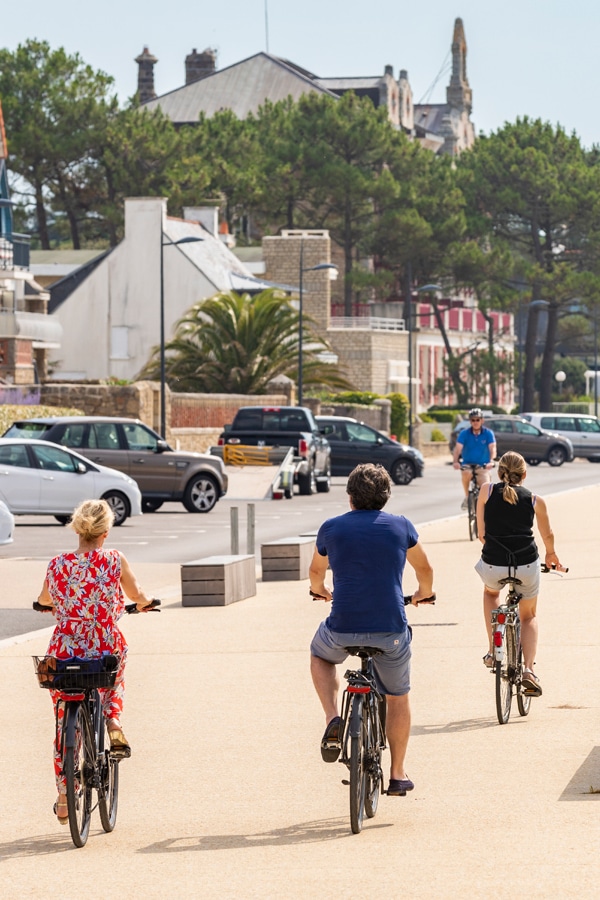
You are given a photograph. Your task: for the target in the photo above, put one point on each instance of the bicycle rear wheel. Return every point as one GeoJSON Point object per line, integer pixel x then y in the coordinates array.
{"type": "Point", "coordinates": [357, 765]}
{"type": "Point", "coordinates": [78, 766]}
{"type": "Point", "coordinates": [523, 700]}
{"type": "Point", "coordinates": [108, 795]}
{"type": "Point", "coordinates": [503, 682]}
{"type": "Point", "coordinates": [472, 511]}
{"type": "Point", "coordinates": [372, 757]}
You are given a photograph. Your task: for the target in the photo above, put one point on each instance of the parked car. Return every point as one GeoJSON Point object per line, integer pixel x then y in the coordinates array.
{"type": "Point", "coordinates": [515, 433]}
{"type": "Point", "coordinates": [197, 479]}
{"type": "Point", "coordinates": [40, 478]}
{"type": "Point", "coordinates": [353, 442]}
{"type": "Point", "coordinates": [7, 524]}
{"type": "Point", "coordinates": [583, 431]}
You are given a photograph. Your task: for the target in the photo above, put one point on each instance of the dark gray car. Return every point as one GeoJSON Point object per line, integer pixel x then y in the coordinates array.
{"type": "Point", "coordinates": [353, 442]}
{"type": "Point", "coordinates": [198, 480]}
{"type": "Point", "coordinates": [515, 433]}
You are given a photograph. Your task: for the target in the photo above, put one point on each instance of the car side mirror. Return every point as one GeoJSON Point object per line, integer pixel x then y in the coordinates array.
{"type": "Point", "coordinates": [81, 468]}
{"type": "Point", "coordinates": [161, 446]}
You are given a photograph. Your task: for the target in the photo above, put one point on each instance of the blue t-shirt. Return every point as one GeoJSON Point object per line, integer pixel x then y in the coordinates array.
{"type": "Point", "coordinates": [475, 450]}
{"type": "Point", "coordinates": [367, 554]}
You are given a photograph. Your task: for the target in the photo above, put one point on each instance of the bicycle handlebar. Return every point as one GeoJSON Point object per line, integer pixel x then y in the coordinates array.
{"type": "Point", "coordinates": [407, 599]}
{"type": "Point", "coordinates": [130, 609]}
{"type": "Point", "coordinates": [553, 569]}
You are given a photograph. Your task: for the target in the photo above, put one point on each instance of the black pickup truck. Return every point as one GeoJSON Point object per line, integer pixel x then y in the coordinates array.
{"type": "Point", "coordinates": [286, 426]}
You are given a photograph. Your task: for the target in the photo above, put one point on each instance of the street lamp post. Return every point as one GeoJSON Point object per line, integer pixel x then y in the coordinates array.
{"type": "Point", "coordinates": [333, 269]}
{"type": "Point", "coordinates": [427, 288]}
{"type": "Point", "coordinates": [163, 392]}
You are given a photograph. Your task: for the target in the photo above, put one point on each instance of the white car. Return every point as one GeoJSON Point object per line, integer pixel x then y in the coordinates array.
{"type": "Point", "coordinates": [7, 524]}
{"type": "Point", "coordinates": [40, 478]}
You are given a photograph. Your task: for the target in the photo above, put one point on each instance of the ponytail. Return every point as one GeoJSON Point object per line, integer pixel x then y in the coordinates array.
{"type": "Point", "coordinates": [511, 471]}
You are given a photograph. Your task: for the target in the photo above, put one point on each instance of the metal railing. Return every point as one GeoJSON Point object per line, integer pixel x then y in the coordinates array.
{"type": "Point", "coordinates": [14, 251]}
{"type": "Point", "coordinates": [368, 323]}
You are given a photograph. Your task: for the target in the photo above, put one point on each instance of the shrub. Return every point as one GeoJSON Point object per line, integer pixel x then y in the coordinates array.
{"type": "Point", "coordinates": [399, 415]}
{"type": "Point", "coordinates": [438, 436]}
{"type": "Point", "coordinates": [10, 412]}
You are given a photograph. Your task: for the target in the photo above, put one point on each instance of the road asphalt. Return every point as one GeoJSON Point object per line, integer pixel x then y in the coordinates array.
{"type": "Point", "coordinates": [226, 796]}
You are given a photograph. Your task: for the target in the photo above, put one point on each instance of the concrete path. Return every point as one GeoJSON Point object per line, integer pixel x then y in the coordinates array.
{"type": "Point", "coordinates": [226, 796]}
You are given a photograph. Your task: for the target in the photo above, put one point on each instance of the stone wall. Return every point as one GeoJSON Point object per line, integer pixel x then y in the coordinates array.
{"type": "Point", "coordinates": [365, 355]}
{"type": "Point", "coordinates": [137, 401]}
{"type": "Point", "coordinates": [207, 411]}
{"type": "Point", "coordinates": [196, 440]}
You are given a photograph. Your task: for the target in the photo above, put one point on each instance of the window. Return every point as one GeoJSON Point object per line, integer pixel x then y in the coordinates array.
{"type": "Point", "coordinates": [14, 455]}
{"type": "Point", "coordinates": [54, 459]}
{"type": "Point", "coordinates": [360, 433]}
{"type": "Point", "coordinates": [589, 425]}
{"type": "Point", "coordinates": [72, 436]}
{"type": "Point", "coordinates": [548, 422]}
{"type": "Point", "coordinates": [526, 428]}
{"type": "Point", "coordinates": [565, 423]}
{"type": "Point", "coordinates": [140, 438]}
{"type": "Point", "coordinates": [119, 342]}
{"type": "Point", "coordinates": [104, 436]}
{"type": "Point", "coordinates": [500, 427]}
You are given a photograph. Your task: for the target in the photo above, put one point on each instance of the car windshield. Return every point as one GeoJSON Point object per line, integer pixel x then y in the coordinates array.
{"type": "Point", "coordinates": [26, 430]}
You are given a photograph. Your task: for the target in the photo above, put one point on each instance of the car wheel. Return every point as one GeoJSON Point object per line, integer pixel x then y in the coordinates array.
{"type": "Point", "coordinates": [556, 455]}
{"type": "Point", "coordinates": [324, 482]}
{"type": "Point", "coordinates": [533, 462]}
{"type": "Point", "coordinates": [149, 506]}
{"type": "Point", "coordinates": [402, 471]}
{"type": "Point", "coordinates": [64, 520]}
{"type": "Point", "coordinates": [201, 494]}
{"type": "Point", "coordinates": [119, 504]}
{"type": "Point", "coordinates": [307, 484]}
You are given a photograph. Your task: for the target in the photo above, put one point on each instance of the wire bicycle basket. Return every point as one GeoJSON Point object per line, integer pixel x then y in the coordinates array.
{"type": "Point", "coordinates": [75, 673]}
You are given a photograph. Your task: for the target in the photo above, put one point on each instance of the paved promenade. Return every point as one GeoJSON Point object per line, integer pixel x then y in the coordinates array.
{"type": "Point", "coordinates": [226, 796]}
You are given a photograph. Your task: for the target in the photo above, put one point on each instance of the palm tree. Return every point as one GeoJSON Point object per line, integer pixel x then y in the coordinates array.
{"type": "Point", "coordinates": [237, 343]}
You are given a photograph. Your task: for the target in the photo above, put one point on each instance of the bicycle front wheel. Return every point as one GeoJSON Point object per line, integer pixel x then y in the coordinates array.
{"type": "Point", "coordinates": [472, 511]}
{"type": "Point", "coordinates": [503, 683]}
{"type": "Point", "coordinates": [373, 732]}
{"type": "Point", "coordinates": [79, 769]}
{"type": "Point", "coordinates": [108, 795]}
{"type": "Point", "coordinates": [357, 765]}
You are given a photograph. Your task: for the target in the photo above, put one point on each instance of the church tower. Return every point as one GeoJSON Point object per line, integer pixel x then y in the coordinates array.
{"type": "Point", "coordinates": [458, 92]}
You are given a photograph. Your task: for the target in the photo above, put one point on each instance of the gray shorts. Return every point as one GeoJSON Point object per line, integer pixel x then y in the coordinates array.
{"type": "Point", "coordinates": [529, 574]}
{"type": "Point", "coordinates": [392, 668]}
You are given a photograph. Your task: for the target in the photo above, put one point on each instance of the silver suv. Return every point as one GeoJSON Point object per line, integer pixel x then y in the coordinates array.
{"type": "Point", "coordinates": [582, 430]}
{"type": "Point", "coordinates": [197, 479]}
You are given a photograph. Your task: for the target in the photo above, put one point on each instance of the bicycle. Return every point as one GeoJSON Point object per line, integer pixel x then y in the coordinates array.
{"type": "Point", "coordinates": [508, 653]}
{"type": "Point", "coordinates": [362, 734]}
{"type": "Point", "coordinates": [87, 761]}
{"type": "Point", "coordinates": [472, 497]}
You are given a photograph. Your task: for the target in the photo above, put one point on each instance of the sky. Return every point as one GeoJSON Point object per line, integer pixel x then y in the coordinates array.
{"type": "Point", "coordinates": [525, 57]}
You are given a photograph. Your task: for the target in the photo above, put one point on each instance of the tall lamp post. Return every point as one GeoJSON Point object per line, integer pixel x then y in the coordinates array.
{"type": "Point", "coordinates": [426, 289]}
{"type": "Point", "coordinates": [163, 411]}
{"type": "Point", "coordinates": [333, 275]}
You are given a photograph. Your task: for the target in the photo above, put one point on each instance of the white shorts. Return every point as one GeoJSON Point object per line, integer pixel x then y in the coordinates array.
{"type": "Point", "coordinates": [528, 574]}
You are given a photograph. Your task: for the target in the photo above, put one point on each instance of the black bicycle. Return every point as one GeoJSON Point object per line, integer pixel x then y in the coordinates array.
{"type": "Point", "coordinates": [87, 761]}
{"type": "Point", "coordinates": [362, 734]}
{"type": "Point", "coordinates": [508, 654]}
{"type": "Point", "coordinates": [472, 497]}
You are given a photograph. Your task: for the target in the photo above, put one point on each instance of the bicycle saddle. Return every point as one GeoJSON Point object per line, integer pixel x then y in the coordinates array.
{"type": "Point", "coordinates": [363, 651]}
{"type": "Point", "coordinates": [509, 580]}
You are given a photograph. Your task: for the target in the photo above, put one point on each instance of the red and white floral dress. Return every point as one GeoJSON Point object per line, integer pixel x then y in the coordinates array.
{"type": "Point", "coordinates": [88, 601]}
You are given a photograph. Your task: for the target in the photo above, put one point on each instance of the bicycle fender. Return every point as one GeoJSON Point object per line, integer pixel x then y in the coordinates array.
{"type": "Point", "coordinates": [69, 727]}
{"type": "Point", "coordinates": [356, 716]}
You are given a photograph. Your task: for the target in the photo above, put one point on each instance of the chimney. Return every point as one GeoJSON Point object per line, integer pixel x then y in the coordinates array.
{"type": "Point", "coordinates": [199, 65]}
{"type": "Point", "coordinates": [146, 63]}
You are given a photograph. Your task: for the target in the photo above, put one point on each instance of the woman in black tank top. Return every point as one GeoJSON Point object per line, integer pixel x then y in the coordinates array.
{"type": "Point", "coordinates": [505, 516]}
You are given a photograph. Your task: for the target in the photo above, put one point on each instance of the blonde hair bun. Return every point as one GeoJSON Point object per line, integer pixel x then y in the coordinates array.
{"type": "Point", "coordinates": [91, 519]}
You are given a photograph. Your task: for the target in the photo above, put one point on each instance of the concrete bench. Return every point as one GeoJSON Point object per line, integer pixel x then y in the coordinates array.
{"type": "Point", "coordinates": [218, 580]}
{"type": "Point", "coordinates": [287, 559]}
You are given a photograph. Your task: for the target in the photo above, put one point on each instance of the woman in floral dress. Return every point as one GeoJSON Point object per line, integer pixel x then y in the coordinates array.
{"type": "Point", "coordinates": [85, 591]}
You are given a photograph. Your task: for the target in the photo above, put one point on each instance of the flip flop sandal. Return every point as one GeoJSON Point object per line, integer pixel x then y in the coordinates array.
{"type": "Point", "coordinates": [531, 684]}
{"type": "Point", "coordinates": [119, 748]}
{"type": "Point", "coordinates": [62, 820]}
{"type": "Point", "coordinates": [330, 743]}
{"type": "Point", "coordinates": [488, 661]}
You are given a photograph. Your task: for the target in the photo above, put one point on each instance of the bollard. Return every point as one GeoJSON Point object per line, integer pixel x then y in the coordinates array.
{"type": "Point", "coordinates": [235, 532]}
{"type": "Point", "coordinates": [250, 529]}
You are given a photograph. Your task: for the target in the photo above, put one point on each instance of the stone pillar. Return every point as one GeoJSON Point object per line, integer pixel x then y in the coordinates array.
{"type": "Point", "coordinates": [282, 254]}
{"type": "Point", "coordinates": [146, 63]}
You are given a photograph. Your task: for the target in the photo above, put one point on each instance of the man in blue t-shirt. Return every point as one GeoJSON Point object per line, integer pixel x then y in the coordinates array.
{"type": "Point", "coordinates": [367, 550]}
{"type": "Point", "coordinates": [477, 447]}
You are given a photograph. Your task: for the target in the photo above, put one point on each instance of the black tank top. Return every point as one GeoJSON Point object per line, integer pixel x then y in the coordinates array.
{"type": "Point", "coordinates": [508, 528]}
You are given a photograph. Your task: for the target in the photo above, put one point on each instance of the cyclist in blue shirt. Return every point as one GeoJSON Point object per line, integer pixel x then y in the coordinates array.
{"type": "Point", "coordinates": [477, 447]}
{"type": "Point", "coordinates": [367, 549]}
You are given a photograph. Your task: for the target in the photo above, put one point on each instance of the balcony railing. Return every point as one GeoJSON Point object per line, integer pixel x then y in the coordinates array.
{"type": "Point", "coordinates": [14, 251]}
{"type": "Point", "coordinates": [367, 323]}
